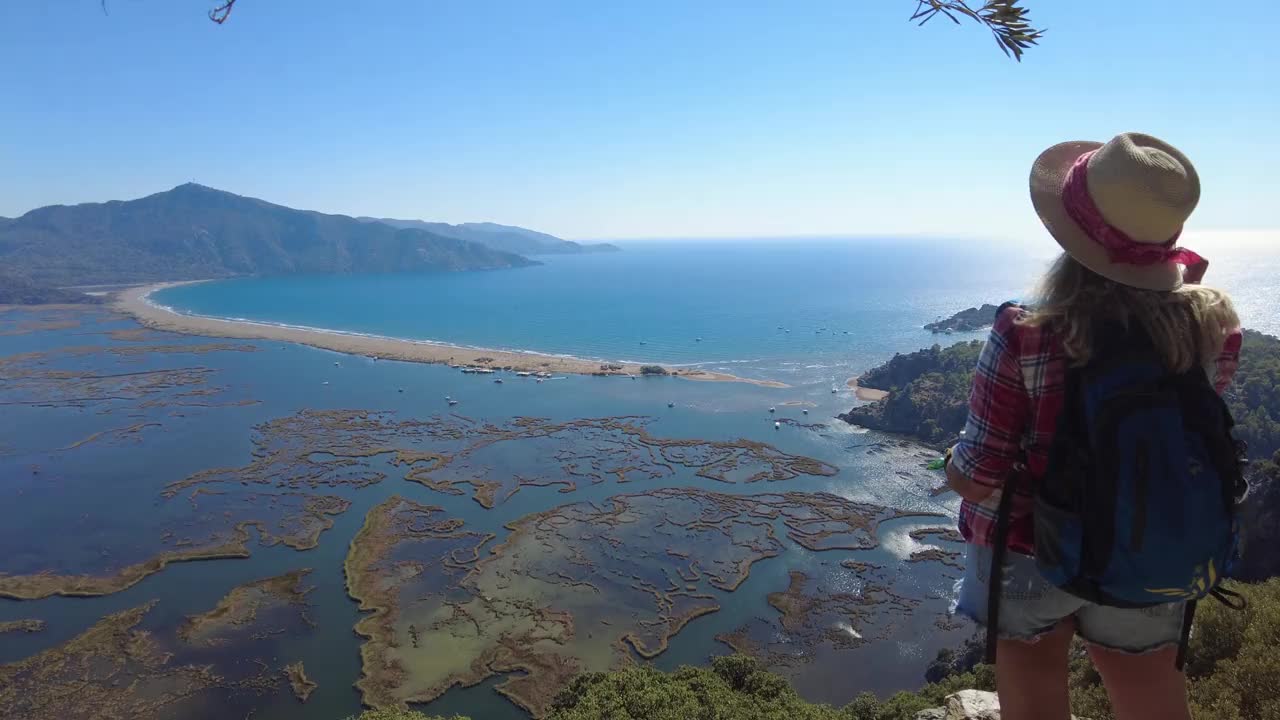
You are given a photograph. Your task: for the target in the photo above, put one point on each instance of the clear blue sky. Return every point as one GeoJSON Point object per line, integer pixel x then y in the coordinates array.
{"type": "Point", "coordinates": [627, 119]}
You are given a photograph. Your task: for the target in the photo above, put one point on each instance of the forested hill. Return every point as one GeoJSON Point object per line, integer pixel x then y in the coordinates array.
{"type": "Point", "coordinates": [507, 238]}
{"type": "Point", "coordinates": [929, 392]}
{"type": "Point", "coordinates": [195, 232]}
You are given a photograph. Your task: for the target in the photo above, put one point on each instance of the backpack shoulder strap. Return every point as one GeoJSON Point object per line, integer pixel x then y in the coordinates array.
{"type": "Point", "coordinates": [995, 578]}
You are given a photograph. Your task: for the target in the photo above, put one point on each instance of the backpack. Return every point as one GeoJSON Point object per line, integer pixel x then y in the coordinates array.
{"type": "Point", "coordinates": [1139, 504]}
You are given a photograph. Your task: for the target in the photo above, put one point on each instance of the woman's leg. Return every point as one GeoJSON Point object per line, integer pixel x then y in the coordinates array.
{"type": "Point", "coordinates": [1031, 677]}
{"type": "Point", "coordinates": [1036, 626]}
{"type": "Point", "coordinates": [1143, 687]}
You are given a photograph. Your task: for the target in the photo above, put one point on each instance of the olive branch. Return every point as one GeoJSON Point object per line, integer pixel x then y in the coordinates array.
{"type": "Point", "coordinates": [1008, 23]}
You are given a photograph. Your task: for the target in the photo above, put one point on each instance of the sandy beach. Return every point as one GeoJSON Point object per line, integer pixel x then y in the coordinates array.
{"type": "Point", "coordinates": [868, 394]}
{"type": "Point", "coordinates": [134, 301]}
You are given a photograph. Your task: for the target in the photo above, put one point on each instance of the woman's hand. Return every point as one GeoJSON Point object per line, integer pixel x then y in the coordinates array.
{"type": "Point", "coordinates": [964, 487]}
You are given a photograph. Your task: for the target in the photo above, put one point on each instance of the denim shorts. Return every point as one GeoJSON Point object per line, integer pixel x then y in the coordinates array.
{"type": "Point", "coordinates": [1031, 606]}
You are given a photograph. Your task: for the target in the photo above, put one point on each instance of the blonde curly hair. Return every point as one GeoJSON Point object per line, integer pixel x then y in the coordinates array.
{"type": "Point", "coordinates": [1188, 326]}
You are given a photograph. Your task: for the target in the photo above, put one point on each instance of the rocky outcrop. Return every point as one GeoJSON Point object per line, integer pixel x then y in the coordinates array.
{"type": "Point", "coordinates": [970, 320]}
{"type": "Point", "coordinates": [967, 705]}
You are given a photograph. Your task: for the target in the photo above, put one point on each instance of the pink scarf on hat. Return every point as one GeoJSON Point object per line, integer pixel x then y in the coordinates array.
{"type": "Point", "coordinates": [1120, 247]}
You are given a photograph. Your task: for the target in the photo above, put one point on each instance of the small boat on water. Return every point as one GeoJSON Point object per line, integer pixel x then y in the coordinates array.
{"type": "Point", "coordinates": [834, 390]}
{"type": "Point", "coordinates": [337, 364]}
{"type": "Point", "coordinates": [671, 404]}
{"type": "Point", "coordinates": [484, 371]}
{"type": "Point", "coordinates": [805, 411]}
{"type": "Point", "coordinates": [326, 382]}
{"type": "Point", "coordinates": [697, 339]}
{"type": "Point", "coordinates": [399, 389]}
{"type": "Point", "coordinates": [497, 381]}
{"type": "Point", "coordinates": [541, 379]}
{"type": "Point", "coordinates": [452, 403]}
{"type": "Point", "coordinates": [773, 410]}
{"type": "Point", "coordinates": [523, 373]}
{"type": "Point", "coordinates": [777, 426]}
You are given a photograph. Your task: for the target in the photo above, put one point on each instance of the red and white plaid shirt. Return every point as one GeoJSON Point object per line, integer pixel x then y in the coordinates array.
{"type": "Point", "coordinates": [1013, 410]}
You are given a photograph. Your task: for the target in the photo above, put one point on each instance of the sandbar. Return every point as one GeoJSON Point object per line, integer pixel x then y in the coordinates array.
{"type": "Point", "coordinates": [135, 302]}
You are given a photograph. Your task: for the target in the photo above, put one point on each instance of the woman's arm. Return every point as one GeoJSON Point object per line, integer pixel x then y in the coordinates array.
{"type": "Point", "coordinates": [999, 411]}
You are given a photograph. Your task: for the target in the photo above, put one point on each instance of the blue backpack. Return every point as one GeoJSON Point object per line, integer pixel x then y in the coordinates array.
{"type": "Point", "coordinates": [1139, 504]}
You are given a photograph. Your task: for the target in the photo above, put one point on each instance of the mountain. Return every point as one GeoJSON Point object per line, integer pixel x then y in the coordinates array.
{"type": "Point", "coordinates": [17, 290]}
{"type": "Point", "coordinates": [507, 238]}
{"type": "Point", "coordinates": [195, 232]}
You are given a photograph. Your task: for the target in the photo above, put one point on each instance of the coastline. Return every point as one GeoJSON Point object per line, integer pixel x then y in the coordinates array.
{"type": "Point", "coordinates": [867, 394]}
{"type": "Point", "coordinates": [136, 302]}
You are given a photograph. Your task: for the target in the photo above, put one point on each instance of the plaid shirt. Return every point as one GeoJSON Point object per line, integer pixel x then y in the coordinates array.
{"type": "Point", "coordinates": [1013, 409]}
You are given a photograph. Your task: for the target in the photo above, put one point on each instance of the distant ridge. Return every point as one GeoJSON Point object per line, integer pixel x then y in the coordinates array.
{"type": "Point", "coordinates": [196, 232]}
{"type": "Point", "coordinates": [17, 290]}
{"type": "Point", "coordinates": [508, 238]}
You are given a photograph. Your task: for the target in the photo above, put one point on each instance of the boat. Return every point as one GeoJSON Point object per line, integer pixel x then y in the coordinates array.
{"type": "Point", "coordinates": [399, 389]}
{"type": "Point", "coordinates": [497, 381]}
{"type": "Point", "coordinates": [772, 410]}
{"type": "Point", "coordinates": [540, 379]}
{"type": "Point", "coordinates": [777, 426]}
{"type": "Point", "coordinates": [523, 373]}
{"type": "Point", "coordinates": [452, 403]}
{"type": "Point", "coordinates": [337, 364]}
{"type": "Point", "coordinates": [671, 404]}
{"type": "Point", "coordinates": [326, 382]}
{"type": "Point", "coordinates": [697, 339]}
{"type": "Point", "coordinates": [806, 412]}
{"type": "Point", "coordinates": [834, 390]}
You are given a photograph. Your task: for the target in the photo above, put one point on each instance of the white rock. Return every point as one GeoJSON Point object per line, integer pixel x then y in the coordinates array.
{"type": "Point", "coordinates": [973, 705]}
{"type": "Point", "coordinates": [967, 705]}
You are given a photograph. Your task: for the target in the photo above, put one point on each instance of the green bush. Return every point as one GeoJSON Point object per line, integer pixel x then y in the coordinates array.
{"type": "Point", "coordinates": [1254, 395]}
{"type": "Point", "coordinates": [653, 370]}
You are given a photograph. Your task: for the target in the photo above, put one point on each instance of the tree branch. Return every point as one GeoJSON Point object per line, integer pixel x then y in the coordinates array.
{"type": "Point", "coordinates": [1008, 23]}
{"type": "Point", "coordinates": [222, 12]}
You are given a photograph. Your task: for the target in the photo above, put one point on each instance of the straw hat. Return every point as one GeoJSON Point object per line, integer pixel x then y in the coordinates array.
{"type": "Point", "coordinates": [1118, 208]}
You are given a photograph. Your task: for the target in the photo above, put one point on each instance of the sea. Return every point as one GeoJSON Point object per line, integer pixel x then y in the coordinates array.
{"type": "Point", "coordinates": [809, 313]}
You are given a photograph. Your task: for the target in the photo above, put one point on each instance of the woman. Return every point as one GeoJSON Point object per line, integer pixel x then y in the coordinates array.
{"type": "Point", "coordinates": [1117, 210]}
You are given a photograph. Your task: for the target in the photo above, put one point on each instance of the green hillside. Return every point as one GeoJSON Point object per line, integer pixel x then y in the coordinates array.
{"type": "Point", "coordinates": [196, 232]}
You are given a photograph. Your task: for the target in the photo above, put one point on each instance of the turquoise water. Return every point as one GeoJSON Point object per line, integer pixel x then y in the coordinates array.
{"type": "Point", "coordinates": [844, 304]}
